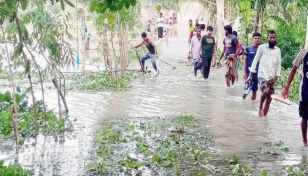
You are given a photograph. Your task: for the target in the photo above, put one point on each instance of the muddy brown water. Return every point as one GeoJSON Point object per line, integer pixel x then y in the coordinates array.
{"type": "Point", "coordinates": [220, 111]}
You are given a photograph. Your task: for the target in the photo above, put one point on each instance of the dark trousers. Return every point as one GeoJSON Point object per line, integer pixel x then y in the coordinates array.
{"type": "Point", "coordinates": [160, 32]}
{"type": "Point", "coordinates": [206, 67]}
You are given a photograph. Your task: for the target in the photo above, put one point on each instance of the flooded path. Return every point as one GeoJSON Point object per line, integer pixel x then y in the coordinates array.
{"type": "Point", "coordinates": [219, 110]}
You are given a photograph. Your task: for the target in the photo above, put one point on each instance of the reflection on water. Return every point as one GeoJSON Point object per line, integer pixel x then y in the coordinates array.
{"type": "Point", "coordinates": [219, 111]}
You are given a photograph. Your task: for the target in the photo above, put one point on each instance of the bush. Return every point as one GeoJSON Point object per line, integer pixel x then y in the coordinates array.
{"type": "Point", "coordinates": [294, 88]}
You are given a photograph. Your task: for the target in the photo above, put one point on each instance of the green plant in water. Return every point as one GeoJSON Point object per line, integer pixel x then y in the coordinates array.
{"type": "Point", "coordinates": [51, 125]}
{"type": "Point", "coordinates": [292, 171]}
{"type": "Point", "coordinates": [126, 148]}
{"type": "Point", "coordinates": [14, 170]}
{"type": "Point", "coordinates": [99, 81]}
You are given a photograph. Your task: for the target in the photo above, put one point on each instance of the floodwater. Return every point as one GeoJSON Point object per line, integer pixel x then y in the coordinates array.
{"type": "Point", "coordinates": [220, 111]}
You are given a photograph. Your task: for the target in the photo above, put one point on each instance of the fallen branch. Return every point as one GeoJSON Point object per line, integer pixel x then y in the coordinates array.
{"type": "Point", "coordinates": [61, 95]}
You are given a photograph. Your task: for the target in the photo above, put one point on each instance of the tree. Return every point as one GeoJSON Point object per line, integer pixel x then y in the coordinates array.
{"type": "Point", "coordinates": [220, 5]}
{"type": "Point", "coordinates": [259, 6]}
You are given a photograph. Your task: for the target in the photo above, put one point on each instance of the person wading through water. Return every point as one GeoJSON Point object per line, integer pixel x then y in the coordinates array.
{"type": "Point", "coordinates": [230, 52]}
{"type": "Point", "coordinates": [301, 60]}
{"type": "Point", "coordinates": [269, 57]}
{"type": "Point", "coordinates": [240, 47]}
{"type": "Point", "coordinates": [160, 26]}
{"type": "Point", "coordinates": [152, 51]}
{"type": "Point", "coordinates": [249, 55]}
{"type": "Point", "coordinates": [207, 49]}
{"type": "Point", "coordinates": [195, 45]}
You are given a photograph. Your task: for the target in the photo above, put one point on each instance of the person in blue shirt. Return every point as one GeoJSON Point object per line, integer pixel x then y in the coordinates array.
{"type": "Point", "coordinates": [249, 55]}
{"type": "Point", "coordinates": [301, 60]}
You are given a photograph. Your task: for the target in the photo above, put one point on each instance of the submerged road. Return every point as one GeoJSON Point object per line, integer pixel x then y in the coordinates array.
{"type": "Point", "coordinates": [219, 110]}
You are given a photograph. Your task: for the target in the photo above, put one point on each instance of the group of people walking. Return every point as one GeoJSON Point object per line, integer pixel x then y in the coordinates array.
{"type": "Point", "coordinates": [261, 66]}
{"type": "Point", "coordinates": [166, 26]}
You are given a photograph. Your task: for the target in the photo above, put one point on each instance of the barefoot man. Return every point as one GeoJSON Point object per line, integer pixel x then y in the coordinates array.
{"type": "Point", "coordinates": [152, 51]}
{"type": "Point", "coordinates": [230, 52]}
{"type": "Point", "coordinates": [269, 58]}
{"type": "Point", "coordinates": [207, 49]}
{"type": "Point", "coordinates": [249, 55]}
{"type": "Point", "coordinates": [301, 59]}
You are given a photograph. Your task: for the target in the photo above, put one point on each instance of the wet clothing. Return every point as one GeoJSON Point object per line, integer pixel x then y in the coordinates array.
{"type": "Point", "coordinates": [264, 84]}
{"type": "Point", "coordinates": [206, 67]}
{"type": "Point", "coordinates": [194, 47]}
{"type": "Point", "coordinates": [270, 62]}
{"type": "Point", "coordinates": [250, 52]}
{"type": "Point", "coordinates": [198, 64]}
{"type": "Point", "coordinates": [208, 43]}
{"type": "Point", "coordinates": [148, 56]}
{"type": "Point", "coordinates": [230, 44]}
{"type": "Point", "coordinates": [302, 59]}
{"type": "Point", "coordinates": [230, 66]}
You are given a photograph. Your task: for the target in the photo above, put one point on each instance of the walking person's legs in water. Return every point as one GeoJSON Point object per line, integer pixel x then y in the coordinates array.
{"type": "Point", "coordinates": [228, 79]}
{"type": "Point", "coordinates": [303, 112]}
{"type": "Point", "coordinates": [206, 67]}
{"type": "Point", "coordinates": [143, 59]}
{"type": "Point", "coordinates": [267, 92]}
{"type": "Point", "coordinates": [153, 60]}
{"type": "Point", "coordinates": [304, 130]}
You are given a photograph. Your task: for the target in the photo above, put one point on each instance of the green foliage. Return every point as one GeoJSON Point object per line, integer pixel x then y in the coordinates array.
{"type": "Point", "coordinates": [290, 38]}
{"type": "Point", "coordinates": [274, 149]}
{"type": "Point", "coordinates": [52, 125]}
{"type": "Point", "coordinates": [292, 171]}
{"type": "Point", "coordinates": [14, 170]}
{"type": "Point", "coordinates": [99, 81]}
{"type": "Point", "coordinates": [294, 88]}
{"type": "Point", "coordinates": [7, 7]}
{"type": "Point", "coordinates": [99, 6]}
{"type": "Point", "coordinates": [128, 148]}
{"type": "Point", "coordinates": [287, 18]}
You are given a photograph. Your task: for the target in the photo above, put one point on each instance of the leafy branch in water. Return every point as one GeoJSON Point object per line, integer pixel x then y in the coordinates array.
{"type": "Point", "coordinates": [14, 169]}
{"type": "Point", "coordinates": [53, 124]}
{"type": "Point", "coordinates": [99, 81]}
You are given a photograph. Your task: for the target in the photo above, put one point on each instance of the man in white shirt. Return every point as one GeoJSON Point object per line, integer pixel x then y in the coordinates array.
{"type": "Point", "coordinates": [160, 25]}
{"type": "Point", "coordinates": [269, 58]}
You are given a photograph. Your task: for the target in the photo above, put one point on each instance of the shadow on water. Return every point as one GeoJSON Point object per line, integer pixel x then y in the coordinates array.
{"type": "Point", "coordinates": [219, 111]}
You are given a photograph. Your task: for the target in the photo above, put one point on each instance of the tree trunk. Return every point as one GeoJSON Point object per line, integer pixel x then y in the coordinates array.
{"type": "Point", "coordinates": [60, 95]}
{"type": "Point", "coordinates": [306, 43]}
{"type": "Point", "coordinates": [257, 19]}
{"type": "Point", "coordinates": [34, 104]}
{"type": "Point", "coordinates": [29, 75]}
{"type": "Point", "coordinates": [220, 4]}
{"type": "Point", "coordinates": [14, 114]}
